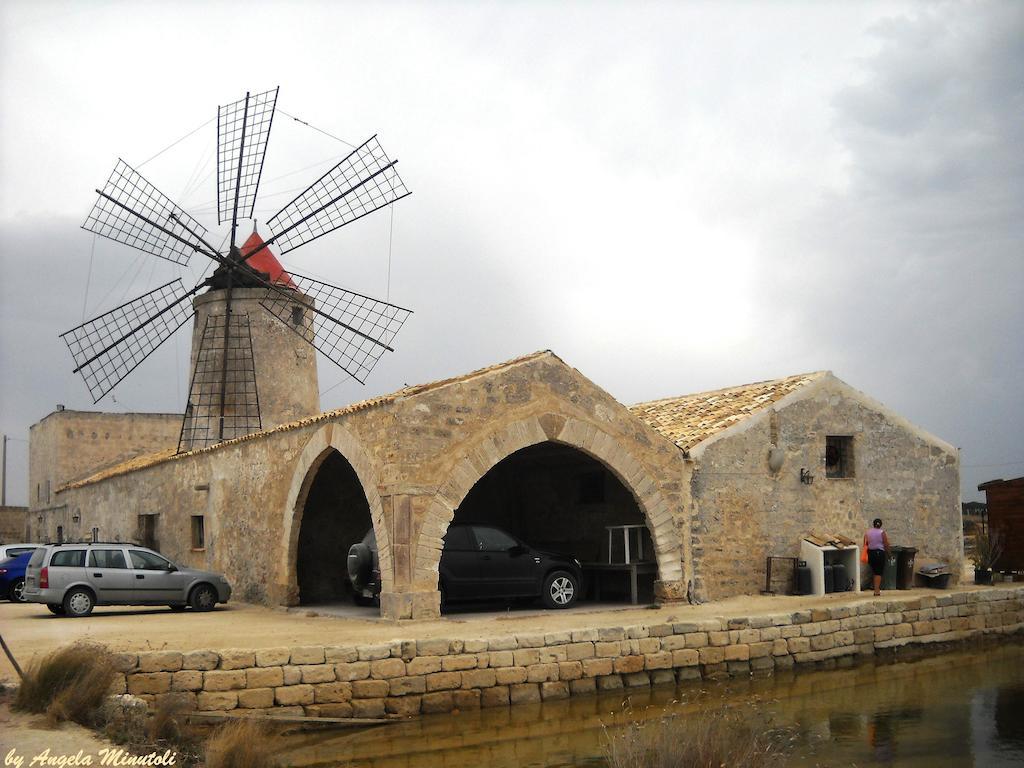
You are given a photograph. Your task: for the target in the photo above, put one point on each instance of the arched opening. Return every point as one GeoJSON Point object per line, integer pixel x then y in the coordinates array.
{"type": "Point", "coordinates": [558, 499]}
{"type": "Point", "coordinates": [335, 516]}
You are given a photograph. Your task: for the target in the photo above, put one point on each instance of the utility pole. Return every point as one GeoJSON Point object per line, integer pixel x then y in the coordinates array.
{"type": "Point", "coordinates": [3, 472]}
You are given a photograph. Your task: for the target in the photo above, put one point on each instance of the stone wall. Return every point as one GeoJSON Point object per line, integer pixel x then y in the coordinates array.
{"type": "Point", "coordinates": [410, 677]}
{"type": "Point", "coordinates": [743, 512]}
{"type": "Point", "coordinates": [68, 445]}
{"type": "Point", "coordinates": [416, 454]}
{"type": "Point", "coordinates": [13, 524]}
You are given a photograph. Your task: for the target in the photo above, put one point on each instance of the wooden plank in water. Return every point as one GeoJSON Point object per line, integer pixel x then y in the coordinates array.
{"type": "Point", "coordinates": [293, 720]}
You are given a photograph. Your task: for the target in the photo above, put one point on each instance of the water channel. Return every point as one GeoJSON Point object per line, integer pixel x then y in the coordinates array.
{"type": "Point", "coordinates": [960, 708]}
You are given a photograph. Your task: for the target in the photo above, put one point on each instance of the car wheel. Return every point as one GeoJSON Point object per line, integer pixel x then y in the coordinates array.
{"type": "Point", "coordinates": [176, 608]}
{"type": "Point", "coordinates": [203, 598]}
{"type": "Point", "coordinates": [78, 602]}
{"type": "Point", "coordinates": [17, 591]}
{"type": "Point", "coordinates": [56, 609]}
{"type": "Point", "coordinates": [561, 589]}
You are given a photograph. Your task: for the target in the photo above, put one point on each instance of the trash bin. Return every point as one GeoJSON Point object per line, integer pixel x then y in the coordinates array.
{"type": "Point", "coordinates": [905, 567]}
{"type": "Point", "coordinates": [889, 573]}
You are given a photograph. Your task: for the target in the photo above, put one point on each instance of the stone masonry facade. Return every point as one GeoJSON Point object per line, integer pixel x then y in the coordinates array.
{"type": "Point", "coordinates": [742, 511]}
{"type": "Point", "coordinates": [412, 677]}
{"type": "Point", "coordinates": [714, 510]}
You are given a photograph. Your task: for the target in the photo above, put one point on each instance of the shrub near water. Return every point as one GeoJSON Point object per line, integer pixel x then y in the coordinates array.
{"type": "Point", "coordinates": [704, 740]}
{"type": "Point", "coordinates": [68, 684]}
{"type": "Point", "coordinates": [241, 744]}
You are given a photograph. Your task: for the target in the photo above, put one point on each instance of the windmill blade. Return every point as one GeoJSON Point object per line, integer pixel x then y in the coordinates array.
{"type": "Point", "coordinates": [110, 346]}
{"type": "Point", "coordinates": [243, 128]}
{"type": "Point", "coordinates": [222, 401]}
{"type": "Point", "coordinates": [353, 331]}
{"type": "Point", "coordinates": [360, 184]}
{"type": "Point", "coordinates": [132, 211]}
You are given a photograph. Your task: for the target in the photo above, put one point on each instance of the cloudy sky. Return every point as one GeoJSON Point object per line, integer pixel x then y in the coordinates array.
{"type": "Point", "coordinates": [673, 197]}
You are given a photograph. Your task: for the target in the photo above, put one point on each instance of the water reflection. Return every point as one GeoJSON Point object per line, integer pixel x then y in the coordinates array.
{"type": "Point", "coordinates": [964, 708]}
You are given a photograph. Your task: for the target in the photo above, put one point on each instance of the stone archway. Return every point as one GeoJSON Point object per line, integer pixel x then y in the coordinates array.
{"type": "Point", "coordinates": [329, 439]}
{"type": "Point", "coordinates": [586, 437]}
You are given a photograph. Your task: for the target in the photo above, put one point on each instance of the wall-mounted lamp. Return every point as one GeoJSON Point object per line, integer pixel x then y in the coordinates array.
{"type": "Point", "coordinates": [40, 518]}
{"type": "Point", "coordinates": [806, 477]}
{"type": "Point", "coordinates": [76, 518]}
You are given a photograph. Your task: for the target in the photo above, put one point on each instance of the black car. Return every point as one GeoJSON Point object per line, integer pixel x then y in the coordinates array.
{"type": "Point", "coordinates": [480, 562]}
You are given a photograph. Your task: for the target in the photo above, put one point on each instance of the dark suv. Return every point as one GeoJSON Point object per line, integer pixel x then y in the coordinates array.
{"type": "Point", "coordinates": [481, 562]}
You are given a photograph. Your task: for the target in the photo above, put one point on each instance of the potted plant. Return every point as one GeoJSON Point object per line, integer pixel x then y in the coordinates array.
{"type": "Point", "coordinates": [988, 546]}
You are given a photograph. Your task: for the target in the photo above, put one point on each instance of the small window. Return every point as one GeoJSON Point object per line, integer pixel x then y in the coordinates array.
{"type": "Point", "coordinates": [838, 456]}
{"type": "Point", "coordinates": [60, 534]}
{"type": "Point", "coordinates": [198, 534]}
{"type": "Point", "coordinates": [297, 316]}
{"type": "Point", "coordinates": [107, 558]}
{"type": "Point", "coordinates": [147, 561]}
{"type": "Point", "coordinates": [95, 534]}
{"type": "Point", "coordinates": [493, 540]}
{"type": "Point", "coordinates": [68, 558]}
{"type": "Point", "coordinates": [592, 488]}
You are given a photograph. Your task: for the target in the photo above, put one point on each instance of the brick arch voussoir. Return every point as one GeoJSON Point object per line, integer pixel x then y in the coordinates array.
{"type": "Point", "coordinates": [484, 455]}
{"type": "Point", "coordinates": [327, 439]}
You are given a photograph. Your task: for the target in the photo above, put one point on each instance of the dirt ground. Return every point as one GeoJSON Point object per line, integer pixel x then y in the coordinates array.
{"type": "Point", "coordinates": [30, 630]}
{"type": "Point", "coordinates": [28, 737]}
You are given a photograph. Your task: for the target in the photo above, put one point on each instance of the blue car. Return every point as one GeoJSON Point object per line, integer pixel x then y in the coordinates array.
{"type": "Point", "coordinates": [12, 577]}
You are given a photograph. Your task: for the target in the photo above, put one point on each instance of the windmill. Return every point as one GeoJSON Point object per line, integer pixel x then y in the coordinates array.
{"type": "Point", "coordinates": [351, 330]}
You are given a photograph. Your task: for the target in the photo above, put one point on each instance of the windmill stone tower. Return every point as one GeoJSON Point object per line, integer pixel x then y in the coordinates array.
{"type": "Point", "coordinates": [269, 376]}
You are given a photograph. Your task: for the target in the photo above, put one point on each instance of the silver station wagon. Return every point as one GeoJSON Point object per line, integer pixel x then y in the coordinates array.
{"type": "Point", "coordinates": [71, 579]}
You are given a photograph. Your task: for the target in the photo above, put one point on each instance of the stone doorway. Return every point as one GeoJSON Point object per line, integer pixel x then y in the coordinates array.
{"type": "Point", "coordinates": [335, 516]}
{"type": "Point", "coordinates": [559, 499]}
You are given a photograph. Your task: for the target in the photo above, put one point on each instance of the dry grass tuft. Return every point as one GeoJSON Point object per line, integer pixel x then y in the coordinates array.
{"type": "Point", "coordinates": [708, 740]}
{"type": "Point", "coordinates": [68, 684]}
{"type": "Point", "coordinates": [241, 744]}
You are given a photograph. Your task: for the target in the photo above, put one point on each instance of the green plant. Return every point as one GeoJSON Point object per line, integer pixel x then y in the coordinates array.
{"type": "Point", "coordinates": [241, 744]}
{"type": "Point", "coordinates": [68, 684]}
{"type": "Point", "coordinates": [988, 547]}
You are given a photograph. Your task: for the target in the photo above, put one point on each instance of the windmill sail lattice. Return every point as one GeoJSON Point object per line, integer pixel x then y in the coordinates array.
{"type": "Point", "coordinates": [109, 347]}
{"type": "Point", "coordinates": [360, 184]}
{"type": "Point", "coordinates": [350, 329]}
{"type": "Point", "coordinates": [132, 211]}
{"type": "Point", "coordinates": [223, 402]}
{"type": "Point", "coordinates": [243, 129]}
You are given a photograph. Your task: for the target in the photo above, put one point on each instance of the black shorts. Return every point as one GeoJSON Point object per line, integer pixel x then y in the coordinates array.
{"type": "Point", "coordinates": [876, 559]}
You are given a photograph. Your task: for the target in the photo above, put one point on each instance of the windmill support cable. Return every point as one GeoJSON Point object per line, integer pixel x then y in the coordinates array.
{"type": "Point", "coordinates": [152, 223]}
{"type": "Point", "coordinates": [238, 175]}
{"type": "Point", "coordinates": [321, 209]}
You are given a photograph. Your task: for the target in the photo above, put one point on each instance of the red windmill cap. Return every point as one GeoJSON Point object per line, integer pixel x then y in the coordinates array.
{"type": "Point", "coordinates": [264, 260]}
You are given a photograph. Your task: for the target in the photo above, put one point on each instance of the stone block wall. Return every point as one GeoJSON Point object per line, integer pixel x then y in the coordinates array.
{"type": "Point", "coordinates": [68, 445]}
{"type": "Point", "coordinates": [412, 677]}
{"type": "Point", "coordinates": [743, 512]}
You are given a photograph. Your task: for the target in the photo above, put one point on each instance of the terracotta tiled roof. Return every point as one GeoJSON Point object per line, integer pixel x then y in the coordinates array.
{"type": "Point", "coordinates": [148, 460]}
{"type": "Point", "coordinates": [690, 419]}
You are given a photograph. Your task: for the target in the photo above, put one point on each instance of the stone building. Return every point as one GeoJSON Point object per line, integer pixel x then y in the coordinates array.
{"type": "Point", "coordinates": [718, 479]}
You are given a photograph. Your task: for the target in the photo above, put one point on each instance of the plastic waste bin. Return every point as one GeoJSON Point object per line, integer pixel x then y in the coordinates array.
{"type": "Point", "coordinates": [889, 573]}
{"type": "Point", "coordinates": [905, 567]}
